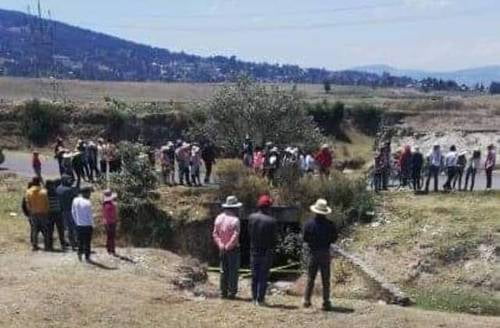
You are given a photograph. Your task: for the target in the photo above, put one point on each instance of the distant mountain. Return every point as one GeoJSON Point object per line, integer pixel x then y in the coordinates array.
{"type": "Point", "coordinates": [484, 75]}
{"type": "Point", "coordinates": [32, 47]}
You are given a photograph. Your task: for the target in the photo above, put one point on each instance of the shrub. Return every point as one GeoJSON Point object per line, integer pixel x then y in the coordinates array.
{"type": "Point", "coordinates": [329, 118]}
{"type": "Point", "coordinates": [367, 118]}
{"type": "Point", "coordinates": [264, 113]}
{"type": "Point", "coordinates": [41, 121]}
{"type": "Point", "coordinates": [236, 179]}
{"type": "Point", "coordinates": [141, 222]}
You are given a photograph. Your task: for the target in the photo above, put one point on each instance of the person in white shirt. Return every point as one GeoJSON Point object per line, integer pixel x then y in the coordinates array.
{"type": "Point", "coordinates": [474, 166]}
{"type": "Point", "coordinates": [84, 221]}
{"type": "Point", "coordinates": [435, 162]}
{"type": "Point", "coordinates": [451, 167]}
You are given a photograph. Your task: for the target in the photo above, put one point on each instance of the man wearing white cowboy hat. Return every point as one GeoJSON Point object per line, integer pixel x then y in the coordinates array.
{"type": "Point", "coordinates": [319, 234]}
{"type": "Point", "coordinates": [226, 235]}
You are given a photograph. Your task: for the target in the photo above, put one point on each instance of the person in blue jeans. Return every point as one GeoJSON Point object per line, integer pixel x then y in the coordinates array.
{"type": "Point", "coordinates": [319, 234]}
{"type": "Point", "coordinates": [262, 229]}
{"type": "Point", "coordinates": [66, 194]}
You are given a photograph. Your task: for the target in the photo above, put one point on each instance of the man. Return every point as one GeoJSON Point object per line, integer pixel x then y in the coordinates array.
{"type": "Point", "coordinates": [489, 165]}
{"type": "Point", "coordinates": [474, 165]}
{"type": "Point", "coordinates": [262, 230]}
{"type": "Point", "coordinates": [435, 159]}
{"type": "Point", "coordinates": [66, 193]}
{"type": "Point", "coordinates": [208, 154]}
{"type": "Point", "coordinates": [451, 161]}
{"type": "Point", "coordinates": [325, 160]}
{"type": "Point", "coordinates": [461, 164]}
{"type": "Point", "coordinates": [183, 155]}
{"type": "Point", "coordinates": [405, 165]}
{"type": "Point", "coordinates": [319, 234]}
{"type": "Point", "coordinates": [37, 204]}
{"type": "Point", "coordinates": [55, 215]}
{"type": "Point", "coordinates": [226, 235]}
{"type": "Point", "coordinates": [58, 154]}
{"type": "Point", "coordinates": [81, 210]}
{"type": "Point", "coordinates": [101, 157]}
{"type": "Point", "coordinates": [417, 163]}
{"type": "Point", "coordinates": [248, 152]}
{"type": "Point", "coordinates": [92, 160]}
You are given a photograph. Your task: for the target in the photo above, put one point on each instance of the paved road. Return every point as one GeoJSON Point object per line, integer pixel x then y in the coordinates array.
{"type": "Point", "coordinates": [20, 163]}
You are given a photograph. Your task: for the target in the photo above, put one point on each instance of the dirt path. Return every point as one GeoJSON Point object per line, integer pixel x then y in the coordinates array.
{"type": "Point", "coordinates": [55, 290]}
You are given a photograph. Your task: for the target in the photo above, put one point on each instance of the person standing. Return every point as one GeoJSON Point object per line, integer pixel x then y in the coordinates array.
{"type": "Point", "coordinates": [58, 154]}
{"type": "Point", "coordinates": [489, 165]}
{"type": "Point", "coordinates": [226, 235]}
{"type": "Point", "coordinates": [262, 230]}
{"type": "Point", "coordinates": [37, 204]}
{"type": "Point", "coordinates": [417, 163]}
{"type": "Point", "coordinates": [55, 215]}
{"type": "Point", "coordinates": [208, 154]}
{"type": "Point", "coordinates": [248, 152]}
{"type": "Point", "coordinates": [461, 164]}
{"type": "Point", "coordinates": [405, 165]}
{"type": "Point", "coordinates": [171, 157]}
{"type": "Point", "coordinates": [81, 210]}
{"type": "Point", "coordinates": [195, 165]}
{"type": "Point", "coordinates": [166, 165]}
{"type": "Point", "coordinates": [324, 159]}
{"type": "Point", "coordinates": [474, 165]}
{"type": "Point", "coordinates": [92, 158]}
{"type": "Point", "coordinates": [319, 234]}
{"type": "Point", "coordinates": [435, 159]}
{"type": "Point", "coordinates": [66, 194]}
{"type": "Point", "coordinates": [37, 165]}
{"type": "Point", "coordinates": [110, 217]}
{"type": "Point", "coordinates": [183, 155]}
{"type": "Point", "coordinates": [451, 161]}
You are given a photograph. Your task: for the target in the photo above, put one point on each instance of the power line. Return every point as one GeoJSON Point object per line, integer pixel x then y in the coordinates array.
{"type": "Point", "coordinates": [223, 29]}
{"type": "Point", "coordinates": [280, 14]}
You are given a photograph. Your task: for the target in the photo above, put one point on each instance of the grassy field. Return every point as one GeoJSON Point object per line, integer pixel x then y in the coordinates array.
{"type": "Point", "coordinates": [442, 248]}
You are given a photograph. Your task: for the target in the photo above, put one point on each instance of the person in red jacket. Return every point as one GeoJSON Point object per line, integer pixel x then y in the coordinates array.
{"type": "Point", "coordinates": [324, 159]}
{"type": "Point", "coordinates": [110, 217]}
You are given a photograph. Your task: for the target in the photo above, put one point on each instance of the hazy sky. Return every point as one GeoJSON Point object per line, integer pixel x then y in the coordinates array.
{"type": "Point", "coordinates": [424, 34]}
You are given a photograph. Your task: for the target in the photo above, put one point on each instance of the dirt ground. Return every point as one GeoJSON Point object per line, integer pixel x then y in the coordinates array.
{"type": "Point", "coordinates": [55, 290]}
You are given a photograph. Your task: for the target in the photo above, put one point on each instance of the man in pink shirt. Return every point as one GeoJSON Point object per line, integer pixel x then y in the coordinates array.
{"type": "Point", "coordinates": [226, 235]}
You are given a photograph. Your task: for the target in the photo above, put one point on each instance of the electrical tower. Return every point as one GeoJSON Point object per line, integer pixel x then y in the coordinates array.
{"type": "Point", "coordinates": [42, 34]}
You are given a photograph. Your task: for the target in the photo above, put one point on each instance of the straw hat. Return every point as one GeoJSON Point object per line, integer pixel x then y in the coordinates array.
{"type": "Point", "coordinates": [325, 146]}
{"type": "Point", "coordinates": [109, 196]}
{"type": "Point", "coordinates": [232, 202]}
{"type": "Point", "coordinates": [321, 207]}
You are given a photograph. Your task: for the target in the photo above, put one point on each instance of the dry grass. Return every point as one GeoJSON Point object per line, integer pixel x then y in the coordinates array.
{"type": "Point", "coordinates": [435, 244]}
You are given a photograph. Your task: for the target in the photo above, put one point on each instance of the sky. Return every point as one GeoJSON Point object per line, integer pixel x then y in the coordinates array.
{"type": "Point", "coordinates": [435, 35]}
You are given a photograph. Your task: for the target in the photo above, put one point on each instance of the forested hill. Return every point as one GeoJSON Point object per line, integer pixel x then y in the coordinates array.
{"type": "Point", "coordinates": [31, 47]}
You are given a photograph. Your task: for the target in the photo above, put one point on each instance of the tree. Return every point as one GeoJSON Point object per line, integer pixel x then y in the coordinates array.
{"type": "Point", "coordinates": [327, 85]}
{"type": "Point", "coordinates": [495, 88]}
{"type": "Point", "coordinates": [265, 113]}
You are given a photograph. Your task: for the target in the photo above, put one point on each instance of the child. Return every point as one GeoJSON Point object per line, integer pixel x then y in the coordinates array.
{"type": "Point", "coordinates": [37, 164]}
{"type": "Point", "coordinates": [110, 218]}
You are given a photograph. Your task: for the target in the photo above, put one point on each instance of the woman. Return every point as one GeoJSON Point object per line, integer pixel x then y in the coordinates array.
{"type": "Point", "coordinates": [110, 217]}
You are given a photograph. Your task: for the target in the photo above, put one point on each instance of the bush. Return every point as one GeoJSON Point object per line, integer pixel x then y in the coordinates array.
{"type": "Point", "coordinates": [329, 118]}
{"type": "Point", "coordinates": [367, 118]}
{"type": "Point", "coordinates": [41, 121]}
{"type": "Point", "coordinates": [236, 179]}
{"type": "Point", "coordinates": [348, 197]}
{"type": "Point", "coordinates": [141, 222]}
{"type": "Point", "coordinates": [264, 113]}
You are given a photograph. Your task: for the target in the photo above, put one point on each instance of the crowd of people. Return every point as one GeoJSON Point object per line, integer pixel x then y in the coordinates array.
{"type": "Point", "coordinates": [415, 170]}
{"type": "Point", "coordinates": [318, 232]}
{"type": "Point", "coordinates": [269, 159]}
{"type": "Point", "coordinates": [58, 205]}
